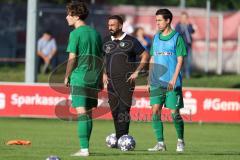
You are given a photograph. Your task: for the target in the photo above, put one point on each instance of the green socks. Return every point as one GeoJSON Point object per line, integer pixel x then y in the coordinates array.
{"type": "Point", "coordinates": [84, 130]}
{"type": "Point", "coordinates": [157, 127]}
{"type": "Point", "coordinates": [90, 125]}
{"type": "Point", "coordinates": [179, 125]}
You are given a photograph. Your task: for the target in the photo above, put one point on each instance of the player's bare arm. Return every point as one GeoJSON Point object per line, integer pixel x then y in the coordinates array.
{"type": "Point", "coordinates": [53, 52]}
{"type": "Point", "coordinates": [144, 60]}
{"type": "Point", "coordinates": [105, 77]}
{"type": "Point", "coordinates": [70, 66]}
{"type": "Point", "coordinates": [40, 54]}
{"type": "Point", "coordinates": [176, 73]}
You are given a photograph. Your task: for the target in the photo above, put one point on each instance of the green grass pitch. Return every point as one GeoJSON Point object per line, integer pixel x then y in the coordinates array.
{"type": "Point", "coordinates": [58, 137]}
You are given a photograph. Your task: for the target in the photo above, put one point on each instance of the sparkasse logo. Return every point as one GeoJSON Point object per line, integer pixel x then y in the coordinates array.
{"type": "Point", "coordinates": [190, 104]}
{"type": "Point", "coordinates": [37, 100]}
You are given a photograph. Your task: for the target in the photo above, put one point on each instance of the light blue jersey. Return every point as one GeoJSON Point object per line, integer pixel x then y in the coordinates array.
{"type": "Point", "coordinates": [164, 52]}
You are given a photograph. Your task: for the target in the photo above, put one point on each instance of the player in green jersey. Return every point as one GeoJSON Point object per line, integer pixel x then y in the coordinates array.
{"type": "Point", "coordinates": [83, 73]}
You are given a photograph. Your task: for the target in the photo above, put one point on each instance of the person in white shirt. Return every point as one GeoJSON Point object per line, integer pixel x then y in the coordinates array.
{"type": "Point", "coordinates": [46, 51]}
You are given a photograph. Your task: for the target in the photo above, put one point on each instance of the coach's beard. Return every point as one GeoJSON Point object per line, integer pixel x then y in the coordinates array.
{"type": "Point", "coordinates": [115, 33]}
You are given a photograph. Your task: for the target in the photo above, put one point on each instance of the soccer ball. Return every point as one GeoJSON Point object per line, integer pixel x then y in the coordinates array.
{"type": "Point", "coordinates": [111, 140]}
{"type": "Point", "coordinates": [126, 143]}
{"type": "Point", "coordinates": [53, 158]}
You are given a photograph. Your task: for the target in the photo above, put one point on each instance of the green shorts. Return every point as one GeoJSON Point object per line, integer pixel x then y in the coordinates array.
{"type": "Point", "coordinates": [84, 97]}
{"type": "Point", "coordinates": [170, 99]}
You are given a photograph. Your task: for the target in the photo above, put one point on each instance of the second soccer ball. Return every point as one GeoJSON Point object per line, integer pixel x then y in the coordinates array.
{"type": "Point", "coordinates": [126, 143]}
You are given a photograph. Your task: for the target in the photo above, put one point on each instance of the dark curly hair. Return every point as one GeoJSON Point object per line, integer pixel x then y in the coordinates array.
{"type": "Point", "coordinates": [76, 8]}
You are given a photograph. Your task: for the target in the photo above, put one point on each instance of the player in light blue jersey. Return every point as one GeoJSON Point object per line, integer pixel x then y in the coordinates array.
{"type": "Point", "coordinates": [165, 80]}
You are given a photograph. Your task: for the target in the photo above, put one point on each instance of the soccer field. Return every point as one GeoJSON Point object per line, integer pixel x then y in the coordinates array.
{"type": "Point", "coordinates": [58, 137]}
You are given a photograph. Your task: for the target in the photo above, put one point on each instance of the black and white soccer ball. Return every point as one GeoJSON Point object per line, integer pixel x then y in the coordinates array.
{"type": "Point", "coordinates": [126, 143]}
{"type": "Point", "coordinates": [53, 158]}
{"type": "Point", "coordinates": [111, 140]}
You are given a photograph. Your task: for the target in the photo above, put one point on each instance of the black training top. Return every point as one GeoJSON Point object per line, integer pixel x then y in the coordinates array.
{"type": "Point", "coordinates": [120, 56]}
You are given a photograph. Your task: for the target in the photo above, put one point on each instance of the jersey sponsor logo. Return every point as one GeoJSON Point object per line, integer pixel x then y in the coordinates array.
{"type": "Point", "coordinates": [125, 45]}
{"type": "Point", "coordinates": [216, 104]}
{"type": "Point", "coordinates": [190, 104]}
{"type": "Point", "coordinates": [2, 100]}
{"type": "Point", "coordinates": [122, 44]}
{"type": "Point", "coordinates": [164, 53]}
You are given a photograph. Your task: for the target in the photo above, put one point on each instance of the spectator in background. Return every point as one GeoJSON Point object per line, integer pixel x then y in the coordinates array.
{"type": "Point", "coordinates": [139, 33]}
{"type": "Point", "coordinates": [46, 51]}
{"type": "Point", "coordinates": [184, 27]}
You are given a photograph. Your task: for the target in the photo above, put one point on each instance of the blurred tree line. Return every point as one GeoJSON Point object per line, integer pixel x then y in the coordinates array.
{"type": "Point", "coordinates": [219, 5]}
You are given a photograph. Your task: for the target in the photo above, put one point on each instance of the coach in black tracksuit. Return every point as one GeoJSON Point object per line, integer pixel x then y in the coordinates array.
{"type": "Point", "coordinates": [121, 71]}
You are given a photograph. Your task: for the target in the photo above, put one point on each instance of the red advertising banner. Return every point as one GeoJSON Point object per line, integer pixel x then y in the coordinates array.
{"type": "Point", "coordinates": [200, 105]}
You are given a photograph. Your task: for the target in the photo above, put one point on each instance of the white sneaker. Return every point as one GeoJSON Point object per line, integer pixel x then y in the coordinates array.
{"type": "Point", "coordinates": [81, 153]}
{"type": "Point", "coordinates": [180, 146]}
{"type": "Point", "coordinates": [160, 146]}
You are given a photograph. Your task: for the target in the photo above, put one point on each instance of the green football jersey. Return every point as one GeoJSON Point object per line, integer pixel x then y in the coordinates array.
{"type": "Point", "coordinates": [86, 43]}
